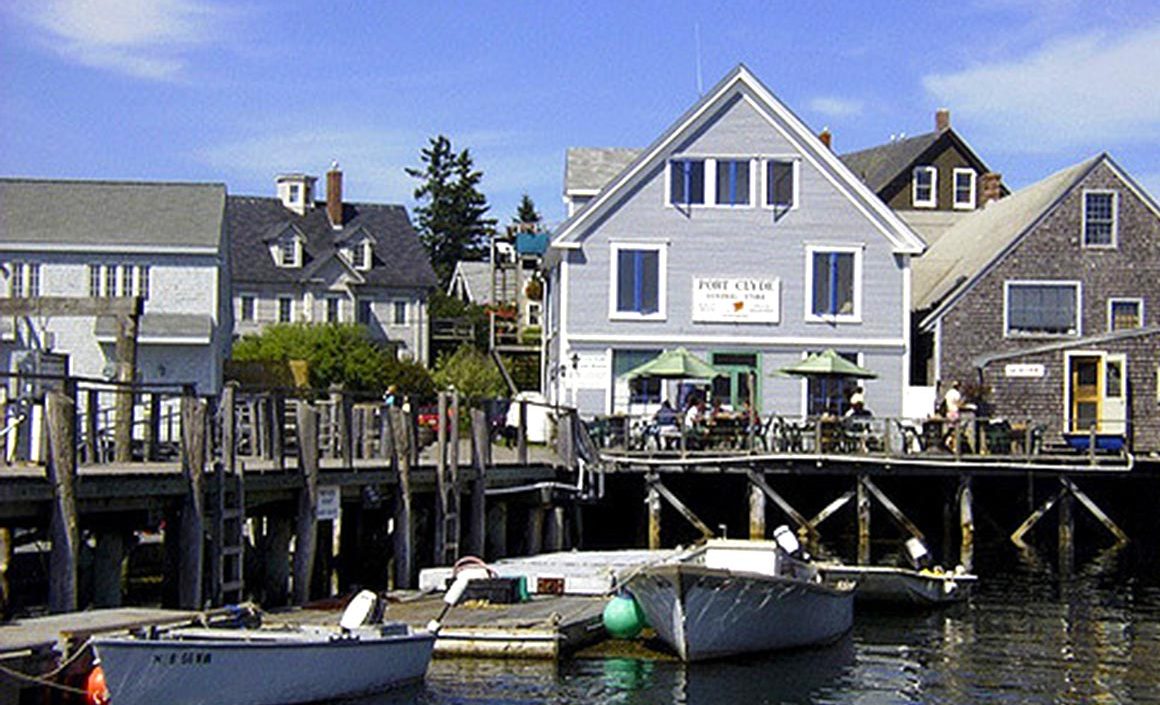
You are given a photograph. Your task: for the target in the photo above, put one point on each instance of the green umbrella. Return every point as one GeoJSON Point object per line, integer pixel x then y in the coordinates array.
{"type": "Point", "coordinates": [675, 364]}
{"type": "Point", "coordinates": [827, 363]}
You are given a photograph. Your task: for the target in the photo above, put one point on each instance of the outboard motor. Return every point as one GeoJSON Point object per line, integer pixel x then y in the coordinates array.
{"type": "Point", "coordinates": [789, 543]}
{"type": "Point", "coordinates": [917, 553]}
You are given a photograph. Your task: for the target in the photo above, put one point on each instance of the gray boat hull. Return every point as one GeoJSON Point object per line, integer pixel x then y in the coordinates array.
{"type": "Point", "coordinates": [260, 668]}
{"type": "Point", "coordinates": [901, 586]}
{"type": "Point", "coordinates": [706, 613]}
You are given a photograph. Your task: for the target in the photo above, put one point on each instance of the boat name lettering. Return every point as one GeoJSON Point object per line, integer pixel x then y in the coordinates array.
{"type": "Point", "coordinates": [183, 658]}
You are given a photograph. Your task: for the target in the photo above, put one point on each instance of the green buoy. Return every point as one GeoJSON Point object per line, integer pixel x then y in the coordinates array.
{"type": "Point", "coordinates": [622, 617]}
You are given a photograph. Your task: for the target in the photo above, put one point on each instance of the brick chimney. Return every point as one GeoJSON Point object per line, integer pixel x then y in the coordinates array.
{"type": "Point", "coordinates": [826, 138]}
{"type": "Point", "coordinates": [991, 188]}
{"type": "Point", "coordinates": [334, 196]}
{"type": "Point", "coordinates": [942, 120]}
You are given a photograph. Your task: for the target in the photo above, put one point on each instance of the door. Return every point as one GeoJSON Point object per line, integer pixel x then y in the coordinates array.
{"type": "Point", "coordinates": [1115, 402]}
{"type": "Point", "coordinates": [1083, 375]}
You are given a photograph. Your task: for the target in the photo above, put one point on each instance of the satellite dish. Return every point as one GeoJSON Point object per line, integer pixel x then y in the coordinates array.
{"type": "Point", "coordinates": [356, 613]}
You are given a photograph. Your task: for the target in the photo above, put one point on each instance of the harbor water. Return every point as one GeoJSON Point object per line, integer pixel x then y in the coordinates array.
{"type": "Point", "coordinates": [1026, 636]}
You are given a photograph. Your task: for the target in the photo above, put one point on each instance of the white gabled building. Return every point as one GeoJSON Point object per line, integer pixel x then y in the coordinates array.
{"type": "Point", "coordinates": [162, 241]}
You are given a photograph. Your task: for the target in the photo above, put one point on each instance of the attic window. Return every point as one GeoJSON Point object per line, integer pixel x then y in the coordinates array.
{"type": "Point", "coordinates": [780, 184]}
{"type": "Point", "coordinates": [295, 193]}
{"type": "Point", "coordinates": [1099, 219]}
{"type": "Point", "coordinates": [687, 182]}
{"type": "Point", "coordinates": [964, 188]}
{"type": "Point", "coordinates": [925, 187]}
{"type": "Point", "coordinates": [289, 252]}
{"type": "Point", "coordinates": [360, 255]}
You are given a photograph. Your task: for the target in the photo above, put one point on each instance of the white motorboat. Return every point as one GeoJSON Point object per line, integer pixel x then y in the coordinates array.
{"type": "Point", "coordinates": [195, 666]}
{"type": "Point", "coordinates": [728, 597]}
{"type": "Point", "coordinates": [902, 586]}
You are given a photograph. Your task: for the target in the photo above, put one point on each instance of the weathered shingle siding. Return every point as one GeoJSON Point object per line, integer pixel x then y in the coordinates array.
{"type": "Point", "coordinates": [741, 242]}
{"type": "Point", "coordinates": [1054, 251]}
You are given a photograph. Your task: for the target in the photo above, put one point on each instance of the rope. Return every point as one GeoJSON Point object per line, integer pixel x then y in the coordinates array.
{"type": "Point", "coordinates": [38, 680]}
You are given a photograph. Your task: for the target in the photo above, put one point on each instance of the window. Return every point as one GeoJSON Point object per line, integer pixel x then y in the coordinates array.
{"type": "Point", "coordinates": [288, 249]}
{"type": "Point", "coordinates": [1125, 314]}
{"type": "Point", "coordinates": [143, 282]}
{"type": "Point", "coordinates": [638, 281]}
{"type": "Point", "coordinates": [94, 281]}
{"type": "Point", "coordinates": [1099, 218]}
{"type": "Point", "coordinates": [925, 185]}
{"type": "Point", "coordinates": [835, 278]}
{"type": "Point", "coordinates": [111, 280]}
{"type": "Point", "coordinates": [295, 192]}
{"type": "Point", "coordinates": [733, 182]}
{"type": "Point", "coordinates": [964, 188]}
{"type": "Point", "coordinates": [364, 311]}
{"type": "Point", "coordinates": [1042, 308]}
{"type": "Point", "coordinates": [399, 313]}
{"type": "Point", "coordinates": [360, 255]}
{"type": "Point", "coordinates": [830, 393]}
{"type": "Point", "coordinates": [687, 181]}
{"type": "Point", "coordinates": [24, 281]}
{"type": "Point", "coordinates": [643, 390]}
{"type": "Point", "coordinates": [125, 279]}
{"type": "Point", "coordinates": [247, 307]}
{"type": "Point", "coordinates": [333, 307]}
{"type": "Point", "coordinates": [534, 314]}
{"type": "Point", "coordinates": [780, 184]}
{"type": "Point", "coordinates": [285, 309]}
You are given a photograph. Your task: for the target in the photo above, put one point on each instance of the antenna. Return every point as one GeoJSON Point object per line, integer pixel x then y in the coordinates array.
{"type": "Point", "coordinates": [697, 40]}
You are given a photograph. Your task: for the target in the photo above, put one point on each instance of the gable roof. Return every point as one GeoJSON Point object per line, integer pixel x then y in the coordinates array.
{"type": "Point", "coordinates": [475, 280]}
{"type": "Point", "coordinates": [966, 251]}
{"type": "Point", "coordinates": [588, 169]}
{"type": "Point", "coordinates": [881, 165]}
{"type": "Point", "coordinates": [398, 258]}
{"type": "Point", "coordinates": [111, 216]}
{"type": "Point", "coordinates": [740, 81]}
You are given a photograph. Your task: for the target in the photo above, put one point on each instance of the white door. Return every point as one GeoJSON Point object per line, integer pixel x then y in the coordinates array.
{"type": "Point", "coordinates": [1115, 407]}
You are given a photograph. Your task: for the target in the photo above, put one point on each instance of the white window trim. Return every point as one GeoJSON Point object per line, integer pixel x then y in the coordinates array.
{"type": "Point", "coordinates": [278, 252]}
{"type": "Point", "coordinates": [752, 182]}
{"type": "Point", "coordinates": [241, 306]}
{"type": "Point", "coordinates": [933, 201]}
{"type": "Point", "coordinates": [856, 315]}
{"type": "Point", "coordinates": [1126, 300]}
{"type": "Point", "coordinates": [797, 181]}
{"type": "Point", "coordinates": [1115, 219]}
{"type": "Point", "coordinates": [969, 205]}
{"type": "Point", "coordinates": [538, 308]}
{"type": "Point", "coordinates": [662, 280]}
{"type": "Point", "coordinates": [278, 310]}
{"type": "Point", "coordinates": [406, 312]}
{"type": "Point", "coordinates": [709, 187]}
{"type": "Point", "coordinates": [1007, 333]}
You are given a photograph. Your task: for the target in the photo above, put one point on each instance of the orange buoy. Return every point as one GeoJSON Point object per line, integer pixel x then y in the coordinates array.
{"type": "Point", "coordinates": [96, 692]}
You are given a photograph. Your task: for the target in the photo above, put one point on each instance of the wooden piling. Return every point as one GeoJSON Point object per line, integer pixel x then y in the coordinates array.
{"type": "Point", "coordinates": [1030, 521]}
{"type": "Point", "coordinates": [108, 568]}
{"type": "Point", "coordinates": [276, 560]}
{"type": "Point", "coordinates": [64, 524]}
{"type": "Point", "coordinates": [863, 521]}
{"type": "Point", "coordinates": [1066, 533]}
{"type": "Point", "coordinates": [306, 522]}
{"type": "Point", "coordinates": [126, 353]}
{"type": "Point", "coordinates": [229, 449]}
{"type": "Point", "coordinates": [534, 540]}
{"type": "Point", "coordinates": [153, 427]}
{"type": "Point", "coordinates": [343, 425]}
{"type": "Point", "coordinates": [554, 533]}
{"type": "Point", "coordinates": [5, 562]}
{"type": "Point", "coordinates": [522, 436]}
{"type": "Point", "coordinates": [966, 524]}
{"type": "Point", "coordinates": [404, 537]}
{"type": "Point", "coordinates": [441, 481]}
{"type": "Point", "coordinates": [1098, 513]}
{"type": "Point", "coordinates": [278, 429]}
{"type": "Point", "coordinates": [893, 509]}
{"type": "Point", "coordinates": [191, 567]}
{"type": "Point", "coordinates": [481, 458]}
{"type": "Point", "coordinates": [756, 512]}
{"type": "Point", "coordinates": [680, 506]}
{"type": "Point", "coordinates": [497, 520]}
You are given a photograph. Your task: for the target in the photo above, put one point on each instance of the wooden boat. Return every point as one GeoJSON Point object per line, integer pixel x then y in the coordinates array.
{"type": "Point", "coordinates": [901, 586]}
{"type": "Point", "coordinates": [728, 597]}
{"type": "Point", "coordinates": [192, 666]}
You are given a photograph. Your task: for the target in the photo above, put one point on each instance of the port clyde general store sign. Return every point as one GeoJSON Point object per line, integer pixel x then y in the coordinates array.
{"type": "Point", "coordinates": [736, 300]}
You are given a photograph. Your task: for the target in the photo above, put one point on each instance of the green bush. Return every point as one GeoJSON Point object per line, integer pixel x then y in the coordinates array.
{"type": "Point", "coordinates": [471, 372]}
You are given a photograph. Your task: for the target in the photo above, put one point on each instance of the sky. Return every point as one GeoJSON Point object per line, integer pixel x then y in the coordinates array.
{"type": "Point", "coordinates": [238, 92]}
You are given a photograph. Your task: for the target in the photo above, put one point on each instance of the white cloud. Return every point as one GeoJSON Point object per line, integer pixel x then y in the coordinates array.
{"type": "Point", "coordinates": [836, 107]}
{"type": "Point", "coordinates": [141, 38]}
{"type": "Point", "coordinates": [1086, 90]}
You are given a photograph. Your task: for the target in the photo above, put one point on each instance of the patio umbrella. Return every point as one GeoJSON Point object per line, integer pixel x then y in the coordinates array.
{"type": "Point", "coordinates": [675, 364]}
{"type": "Point", "coordinates": [827, 363]}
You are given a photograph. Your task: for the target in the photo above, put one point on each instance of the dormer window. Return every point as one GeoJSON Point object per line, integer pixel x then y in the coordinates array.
{"type": "Point", "coordinates": [296, 192]}
{"type": "Point", "coordinates": [925, 187]}
{"type": "Point", "coordinates": [289, 252]}
{"type": "Point", "coordinates": [360, 255]}
{"type": "Point", "coordinates": [964, 189]}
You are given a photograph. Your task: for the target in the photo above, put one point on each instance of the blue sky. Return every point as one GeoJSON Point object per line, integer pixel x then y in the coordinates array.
{"type": "Point", "coordinates": [212, 90]}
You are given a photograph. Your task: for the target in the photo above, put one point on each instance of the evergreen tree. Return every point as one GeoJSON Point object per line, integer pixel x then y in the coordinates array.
{"type": "Point", "coordinates": [451, 219]}
{"type": "Point", "coordinates": [527, 214]}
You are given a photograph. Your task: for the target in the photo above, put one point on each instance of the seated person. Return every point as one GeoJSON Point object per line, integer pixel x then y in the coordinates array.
{"type": "Point", "coordinates": [666, 415]}
{"type": "Point", "coordinates": [857, 408]}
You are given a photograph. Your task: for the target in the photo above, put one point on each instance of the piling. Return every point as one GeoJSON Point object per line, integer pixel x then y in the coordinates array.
{"type": "Point", "coordinates": [306, 526]}
{"type": "Point", "coordinates": [653, 501]}
{"type": "Point", "coordinates": [400, 424]}
{"type": "Point", "coordinates": [756, 512]}
{"type": "Point", "coordinates": [481, 459]}
{"type": "Point", "coordinates": [966, 524]}
{"type": "Point", "coordinates": [64, 523]}
{"type": "Point", "coordinates": [108, 567]}
{"type": "Point", "coordinates": [192, 532]}
{"type": "Point", "coordinates": [863, 504]}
